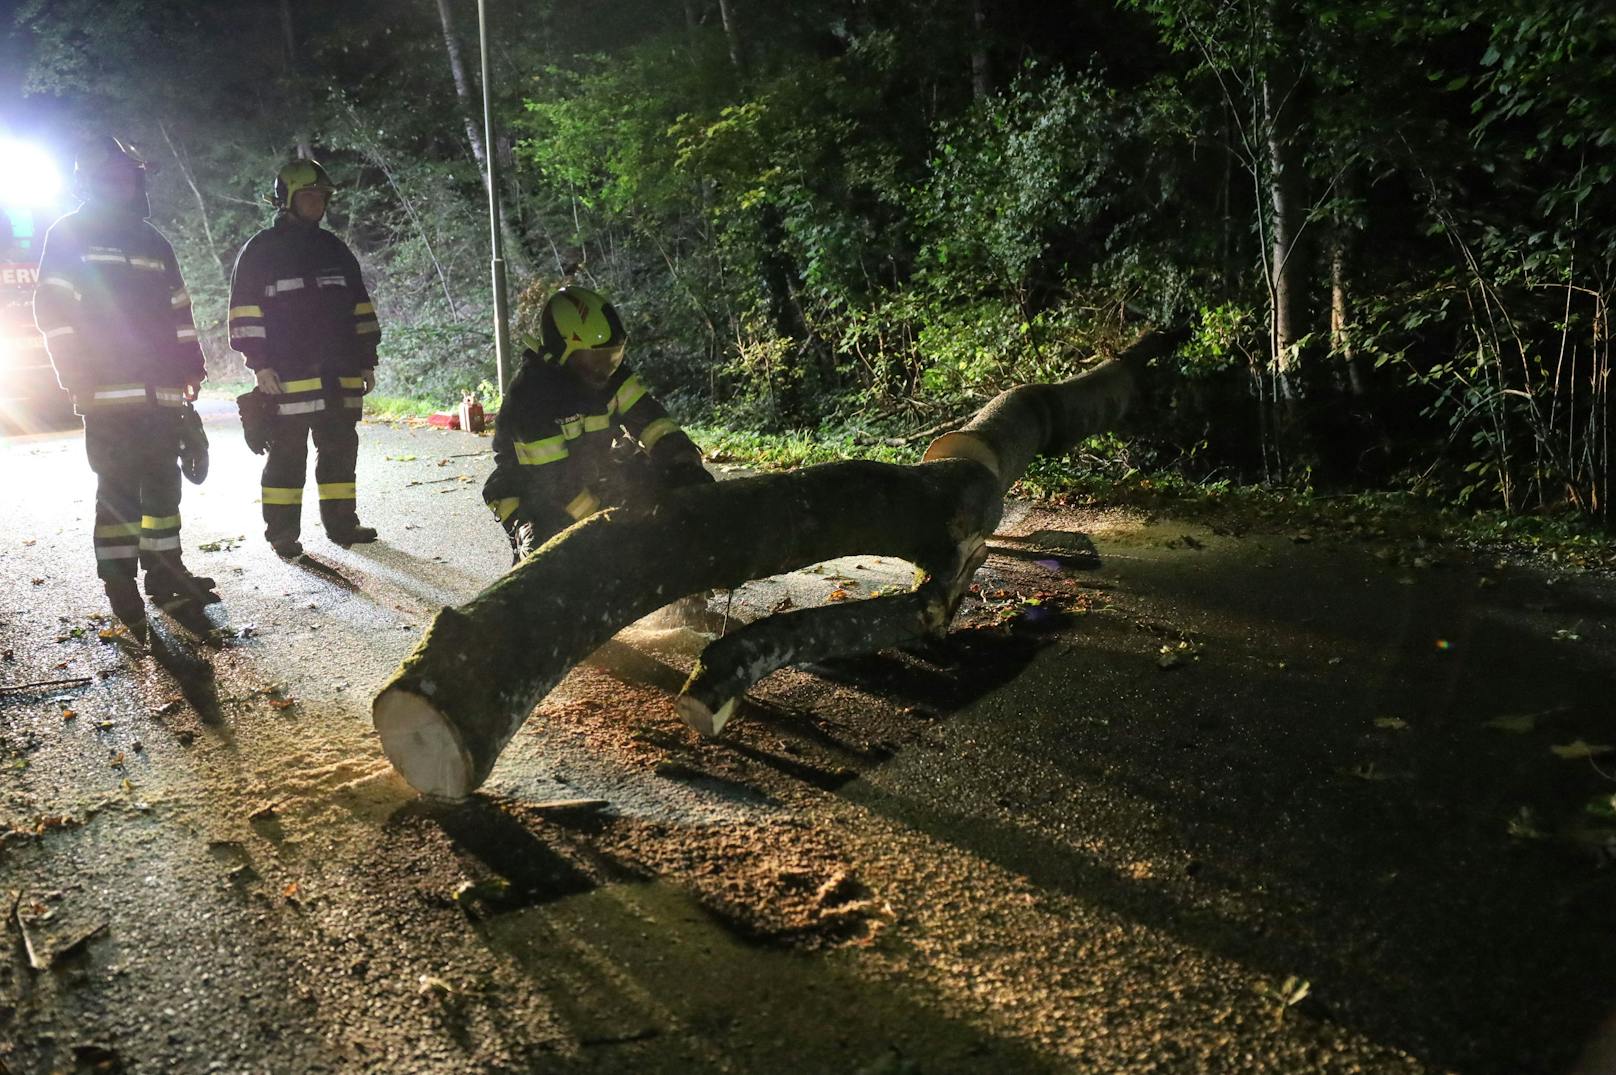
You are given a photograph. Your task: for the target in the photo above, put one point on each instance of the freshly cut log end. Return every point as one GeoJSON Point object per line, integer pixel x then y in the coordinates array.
{"type": "Point", "coordinates": [423, 745]}
{"type": "Point", "coordinates": [705, 721]}
{"type": "Point", "coordinates": [964, 445]}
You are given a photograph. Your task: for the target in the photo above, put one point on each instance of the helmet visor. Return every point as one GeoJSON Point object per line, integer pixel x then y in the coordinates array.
{"type": "Point", "coordinates": [596, 365]}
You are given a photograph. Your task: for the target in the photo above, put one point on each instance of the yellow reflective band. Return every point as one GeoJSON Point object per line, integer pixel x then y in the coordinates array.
{"type": "Point", "coordinates": [365, 328]}
{"type": "Point", "coordinates": [282, 496]}
{"type": "Point", "coordinates": [503, 509]}
{"type": "Point", "coordinates": [246, 311]}
{"type": "Point", "coordinates": [583, 504]}
{"type": "Point", "coordinates": [338, 490]}
{"type": "Point", "coordinates": [159, 522]}
{"type": "Point", "coordinates": [363, 308]}
{"type": "Point", "coordinates": [573, 428]}
{"type": "Point", "coordinates": [535, 453]}
{"type": "Point", "coordinates": [113, 530]}
{"type": "Point", "coordinates": [351, 382]}
{"type": "Point", "coordinates": [594, 423]}
{"type": "Point", "coordinates": [628, 394]}
{"type": "Point", "coordinates": [655, 431]}
{"type": "Point", "coordinates": [309, 384]}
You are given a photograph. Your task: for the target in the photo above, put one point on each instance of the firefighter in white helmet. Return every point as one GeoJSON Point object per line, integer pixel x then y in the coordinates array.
{"type": "Point", "coordinates": [117, 320]}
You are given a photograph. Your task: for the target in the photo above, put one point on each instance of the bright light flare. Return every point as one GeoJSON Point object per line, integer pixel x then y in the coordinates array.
{"type": "Point", "coordinates": [28, 175]}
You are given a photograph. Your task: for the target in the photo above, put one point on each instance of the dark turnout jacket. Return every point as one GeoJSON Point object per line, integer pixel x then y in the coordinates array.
{"type": "Point", "coordinates": [114, 311]}
{"type": "Point", "coordinates": [298, 304]}
{"type": "Point", "coordinates": [553, 459]}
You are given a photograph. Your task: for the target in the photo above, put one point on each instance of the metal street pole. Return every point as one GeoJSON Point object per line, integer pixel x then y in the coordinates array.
{"type": "Point", "coordinates": [502, 339]}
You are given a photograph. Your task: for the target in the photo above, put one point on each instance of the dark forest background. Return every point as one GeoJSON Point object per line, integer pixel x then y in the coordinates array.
{"type": "Point", "coordinates": [1390, 226]}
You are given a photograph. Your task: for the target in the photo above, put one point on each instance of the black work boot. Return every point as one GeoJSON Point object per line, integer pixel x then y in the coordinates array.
{"type": "Point", "coordinates": [124, 597]}
{"type": "Point", "coordinates": [289, 549]}
{"type": "Point", "coordinates": [352, 535]}
{"type": "Point", "coordinates": [175, 581]}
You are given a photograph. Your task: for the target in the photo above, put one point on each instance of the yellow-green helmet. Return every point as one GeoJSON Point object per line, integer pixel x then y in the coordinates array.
{"type": "Point", "coordinates": [581, 325]}
{"type": "Point", "coordinates": [301, 174]}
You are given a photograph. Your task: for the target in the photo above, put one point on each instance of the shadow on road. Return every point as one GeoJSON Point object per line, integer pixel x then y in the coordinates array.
{"type": "Point", "coordinates": [493, 841]}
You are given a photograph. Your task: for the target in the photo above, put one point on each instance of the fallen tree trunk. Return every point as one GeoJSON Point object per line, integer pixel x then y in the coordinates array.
{"type": "Point", "coordinates": [480, 669]}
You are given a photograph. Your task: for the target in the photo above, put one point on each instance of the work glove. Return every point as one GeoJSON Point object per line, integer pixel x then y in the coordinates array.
{"type": "Point", "coordinates": [684, 471]}
{"type": "Point", "coordinates": [269, 382]}
{"type": "Point", "coordinates": [369, 377]}
{"type": "Point", "coordinates": [191, 392]}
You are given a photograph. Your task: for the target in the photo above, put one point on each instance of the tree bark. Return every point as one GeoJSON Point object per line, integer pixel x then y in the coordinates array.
{"type": "Point", "coordinates": [1341, 315]}
{"type": "Point", "coordinates": [478, 672]}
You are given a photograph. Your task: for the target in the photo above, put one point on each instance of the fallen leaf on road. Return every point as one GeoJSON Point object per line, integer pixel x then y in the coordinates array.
{"type": "Point", "coordinates": [1517, 725]}
{"type": "Point", "coordinates": [400, 458]}
{"type": "Point", "coordinates": [1368, 772]}
{"type": "Point", "coordinates": [282, 703]}
{"type": "Point", "coordinates": [68, 714]}
{"type": "Point", "coordinates": [117, 760]}
{"type": "Point", "coordinates": [1577, 748]}
{"type": "Point", "coordinates": [1602, 806]}
{"type": "Point", "coordinates": [838, 594]}
{"type": "Point", "coordinates": [1523, 826]}
{"type": "Point", "coordinates": [291, 890]}
{"type": "Point", "coordinates": [1395, 724]}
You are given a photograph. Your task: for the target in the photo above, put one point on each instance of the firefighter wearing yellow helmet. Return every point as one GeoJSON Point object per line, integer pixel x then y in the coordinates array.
{"type": "Point", "coordinates": [117, 321]}
{"type": "Point", "coordinates": [306, 327]}
{"type": "Point", "coordinates": [555, 461]}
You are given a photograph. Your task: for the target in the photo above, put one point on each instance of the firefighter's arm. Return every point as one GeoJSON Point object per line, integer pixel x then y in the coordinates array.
{"type": "Point", "coordinates": [57, 303]}
{"type": "Point", "coordinates": [189, 363]}
{"type": "Point", "coordinates": [367, 328]}
{"type": "Point", "coordinates": [250, 295]}
{"type": "Point", "coordinates": [674, 455]}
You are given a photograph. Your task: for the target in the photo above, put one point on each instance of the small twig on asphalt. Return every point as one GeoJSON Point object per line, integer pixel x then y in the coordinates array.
{"type": "Point", "coordinates": [468, 455]}
{"type": "Point", "coordinates": [75, 681]}
{"type": "Point", "coordinates": [437, 481]}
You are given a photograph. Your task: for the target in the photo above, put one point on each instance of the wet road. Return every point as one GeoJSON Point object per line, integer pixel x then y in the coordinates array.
{"type": "Point", "coordinates": [1114, 825]}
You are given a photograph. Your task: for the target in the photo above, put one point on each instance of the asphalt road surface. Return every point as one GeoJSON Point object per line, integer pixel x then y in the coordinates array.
{"type": "Point", "coordinates": [1174, 797]}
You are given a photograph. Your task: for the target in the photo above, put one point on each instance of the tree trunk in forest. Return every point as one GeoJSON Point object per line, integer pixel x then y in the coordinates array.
{"type": "Point", "coordinates": [732, 33]}
{"type": "Point", "coordinates": [480, 669]}
{"type": "Point", "coordinates": [1340, 315]}
{"type": "Point", "coordinates": [295, 76]}
{"type": "Point", "coordinates": [516, 257]}
{"type": "Point", "coordinates": [981, 74]}
{"type": "Point", "coordinates": [201, 204]}
{"type": "Point", "coordinates": [1285, 268]}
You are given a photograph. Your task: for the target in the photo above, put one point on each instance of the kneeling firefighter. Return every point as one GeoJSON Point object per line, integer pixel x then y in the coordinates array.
{"type": "Point", "coordinates": [302, 319]}
{"type": "Point", "coordinates": [578, 432]}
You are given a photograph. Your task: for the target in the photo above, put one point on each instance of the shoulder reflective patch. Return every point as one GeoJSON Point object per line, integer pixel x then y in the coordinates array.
{"type": "Point", "coordinates": [629, 393]}
{"type": "Point", "coordinates": [246, 311]}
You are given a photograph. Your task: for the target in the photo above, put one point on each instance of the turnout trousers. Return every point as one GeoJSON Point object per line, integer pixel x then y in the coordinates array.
{"type": "Point", "coordinates": [336, 446]}
{"type": "Point", "coordinates": [134, 453]}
